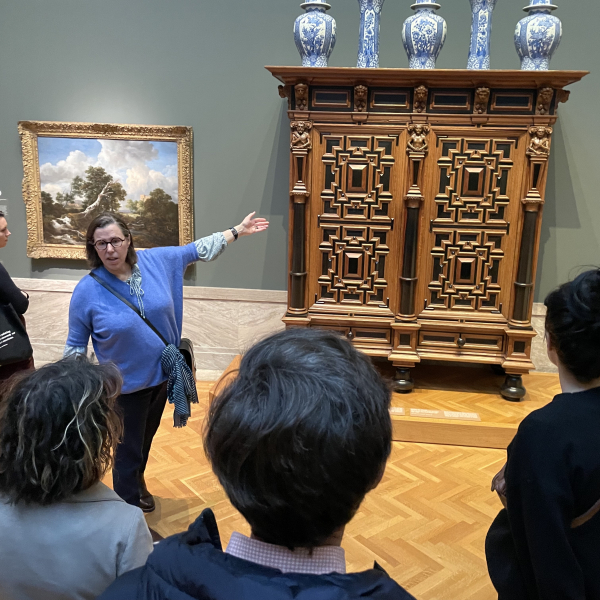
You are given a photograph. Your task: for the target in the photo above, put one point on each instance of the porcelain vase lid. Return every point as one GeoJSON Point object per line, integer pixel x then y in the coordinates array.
{"type": "Point", "coordinates": [540, 4]}
{"type": "Point", "coordinates": [425, 4]}
{"type": "Point", "coordinates": [316, 4]}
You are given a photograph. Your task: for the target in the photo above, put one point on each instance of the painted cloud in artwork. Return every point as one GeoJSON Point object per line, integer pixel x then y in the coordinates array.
{"type": "Point", "coordinates": [140, 166]}
{"type": "Point", "coordinates": [81, 177]}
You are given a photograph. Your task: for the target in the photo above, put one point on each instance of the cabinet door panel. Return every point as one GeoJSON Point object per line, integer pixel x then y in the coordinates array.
{"type": "Point", "coordinates": [353, 235]}
{"type": "Point", "coordinates": [472, 209]}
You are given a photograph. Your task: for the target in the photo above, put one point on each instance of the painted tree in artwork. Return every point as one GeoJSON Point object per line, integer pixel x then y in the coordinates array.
{"type": "Point", "coordinates": [64, 199]}
{"type": "Point", "coordinates": [159, 206]}
{"type": "Point", "coordinates": [161, 215]}
{"type": "Point", "coordinates": [49, 207]}
{"type": "Point", "coordinates": [96, 179]}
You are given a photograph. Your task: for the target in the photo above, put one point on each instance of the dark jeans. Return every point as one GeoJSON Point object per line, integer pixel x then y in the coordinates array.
{"type": "Point", "coordinates": [142, 411]}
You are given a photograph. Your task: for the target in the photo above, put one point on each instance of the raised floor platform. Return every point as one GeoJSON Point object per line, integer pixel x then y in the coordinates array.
{"type": "Point", "coordinates": [472, 411]}
{"type": "Point", "coordinates": [469, 391]}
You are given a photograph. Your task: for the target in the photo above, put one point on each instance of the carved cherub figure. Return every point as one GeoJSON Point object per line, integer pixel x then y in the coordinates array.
{"type": "Point", "coordinates": [418, 138]}
{"type": "Point", "coordinates": [544, 99]}
{"type": "Point", "coordinates": [420, 98]}
{"type": "Point", "coordinates": [482, 96]}
{"type": "Point", "coordinates": [301, 95]}
{"type": "Point", "coordinates": [540, 141]}
{"type": "Point", "coordinates": [300, 135]}
{"type": "Point", "coordinates": [360, 98]}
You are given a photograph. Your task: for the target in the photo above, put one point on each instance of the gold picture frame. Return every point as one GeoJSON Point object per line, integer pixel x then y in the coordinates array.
{"type": "Point", "coordinates": [58, 211]}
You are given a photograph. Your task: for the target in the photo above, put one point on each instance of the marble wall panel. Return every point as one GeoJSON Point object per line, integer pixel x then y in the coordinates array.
{"type": "Point", "coordinates": [211, 323]}
{"type": "Point", "coordinates": [257, 321]}
{"type": "Point", "coordinates": [220, 322]}
{"type": "Point", "coordinates": [48, 316]}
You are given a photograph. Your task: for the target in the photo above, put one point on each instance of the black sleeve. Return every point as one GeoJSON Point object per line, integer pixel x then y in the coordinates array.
{"type": "Point", "coordinates": [540, 509]}
{"type": "Point", "coordinates": [11, 294]}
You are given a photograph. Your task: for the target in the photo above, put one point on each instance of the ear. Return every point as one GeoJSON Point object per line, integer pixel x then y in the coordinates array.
{"type": "Point", "coordinates": [551, 351]}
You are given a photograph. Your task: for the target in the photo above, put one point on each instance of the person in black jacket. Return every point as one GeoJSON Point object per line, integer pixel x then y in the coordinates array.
{"type": "Point", "coordinates": [11, 294]}
{"type": "Point", "coordinates": [297, 440]}
{"type": "Point", "coordinates": [545, 545]}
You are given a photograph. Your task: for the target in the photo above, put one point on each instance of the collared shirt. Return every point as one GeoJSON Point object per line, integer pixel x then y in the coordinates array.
{"type": "Point", "coordinates": [318, 561]}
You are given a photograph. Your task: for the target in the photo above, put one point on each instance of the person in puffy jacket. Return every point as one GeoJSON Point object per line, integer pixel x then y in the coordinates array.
{"type": "Point", "coordinates": [297, 440]}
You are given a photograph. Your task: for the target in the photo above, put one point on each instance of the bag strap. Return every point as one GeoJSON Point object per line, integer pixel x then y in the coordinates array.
{"type": "Point", "coordinates": [131, 306]}
{"type": "Point", "coordinates": [586, 516]}
{"type": "Point", "coordinates": [499, 486]}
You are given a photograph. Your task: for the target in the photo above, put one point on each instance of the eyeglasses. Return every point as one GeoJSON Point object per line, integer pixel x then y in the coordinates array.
{"type": "Point", "coordinates": [114, 242]}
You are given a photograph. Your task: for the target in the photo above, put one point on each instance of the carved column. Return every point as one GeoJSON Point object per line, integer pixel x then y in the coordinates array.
{"type": "Point", "coordinates": [300, 147]}
{"type": "Point", "coordinates": [538, 152]}
{"type": "Point", "coordinates": [406, 327]}
{"type": "Point", "coordinates": [417, 149]}
{"type": "Point", "coordinates": [520, 332]}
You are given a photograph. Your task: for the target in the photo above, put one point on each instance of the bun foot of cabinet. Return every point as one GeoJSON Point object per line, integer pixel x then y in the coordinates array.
{"type": "Point", "coordinates": [512, 389]}
{"type": "Point", "coordinates": [403, 382]}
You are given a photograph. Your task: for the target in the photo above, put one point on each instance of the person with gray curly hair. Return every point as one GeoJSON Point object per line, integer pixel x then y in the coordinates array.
{"type": "Point", "coordinates": [63, 533]}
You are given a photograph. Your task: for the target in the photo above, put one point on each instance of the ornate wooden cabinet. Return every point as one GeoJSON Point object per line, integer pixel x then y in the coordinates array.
{"type": "Point", "coordinates": [416, 202]}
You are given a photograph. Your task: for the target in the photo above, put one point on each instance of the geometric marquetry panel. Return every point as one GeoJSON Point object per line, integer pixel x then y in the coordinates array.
{"type": "Point", "coordinates": [474, 176]}
{"type": "Point", "coordinates": [469, 228]}
{"type": "Point", "coordinates": [355, 221]}
{"type": "Point", "coordinates": [358, 174]}
{"type": "Point", "coordinates": [353, 265]}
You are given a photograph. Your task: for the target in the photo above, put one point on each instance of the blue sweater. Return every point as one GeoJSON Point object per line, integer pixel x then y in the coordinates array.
{"type": "Point", "coordinates": [118, 334]}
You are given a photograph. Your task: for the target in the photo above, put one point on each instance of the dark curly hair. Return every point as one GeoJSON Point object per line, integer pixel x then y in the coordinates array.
{"type": "Point", "coordinates": [58, 430]}
{"type": "Point", "coordinates": [300, 436]}
{"type": "Point", "coordinates": [573, 325]}
{"type": "Point", "coordinates": [103, 220]}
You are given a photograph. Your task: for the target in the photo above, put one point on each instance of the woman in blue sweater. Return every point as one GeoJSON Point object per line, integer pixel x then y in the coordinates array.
{"type": "Point", "coordinates": [152, 280]}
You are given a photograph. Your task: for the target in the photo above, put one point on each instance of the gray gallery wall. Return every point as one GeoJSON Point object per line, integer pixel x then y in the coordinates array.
{"type": "Point", "coordinates": [200, 63]}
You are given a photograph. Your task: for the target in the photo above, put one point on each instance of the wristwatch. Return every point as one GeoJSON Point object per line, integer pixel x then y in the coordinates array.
{"type": "Point", "coordinates": [235, 232]}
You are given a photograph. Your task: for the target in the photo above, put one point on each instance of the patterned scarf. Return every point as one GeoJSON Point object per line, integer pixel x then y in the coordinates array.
{"type": "Point", "coordinates": [135, 286]}
{"type": "Point", "coordinates": [181, 387]}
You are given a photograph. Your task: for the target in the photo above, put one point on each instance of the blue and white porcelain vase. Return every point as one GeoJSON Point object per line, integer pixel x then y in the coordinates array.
{"type": "Point", "coordinates": [368, 42]}
{"type": "Point", "coordinates": [537, 36]}
{"type": "Point", "coordinates": [481, 31]}
{"type": "Point", "coordinates": [314, 34]}
{"type": "Point", "coordinates": [423, 35]}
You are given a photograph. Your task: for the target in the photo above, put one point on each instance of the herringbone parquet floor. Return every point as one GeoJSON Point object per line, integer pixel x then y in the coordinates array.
{"type": "Point", "coordinates": [425, 523]}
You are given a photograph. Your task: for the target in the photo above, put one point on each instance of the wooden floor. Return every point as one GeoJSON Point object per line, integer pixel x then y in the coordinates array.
{"type": "Point", "coordinates": [457, 388]}
{"type": "Point", "coordinates": [468, 390]}
{"type": "Point", "coordinates": [425, 523]}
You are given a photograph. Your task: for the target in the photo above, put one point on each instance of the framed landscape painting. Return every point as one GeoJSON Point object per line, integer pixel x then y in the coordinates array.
{"type": "Point", "coordinates": [75, 171]}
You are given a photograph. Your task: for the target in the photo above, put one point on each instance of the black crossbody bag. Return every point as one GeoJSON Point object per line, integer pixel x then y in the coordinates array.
{"type": "Point", "coordinates": [186, 349]}
{"type": "Point", "coordinates": [14, 341]}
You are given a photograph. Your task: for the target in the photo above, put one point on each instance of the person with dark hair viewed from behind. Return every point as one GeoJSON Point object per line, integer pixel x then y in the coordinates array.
{"type": "Point", "coordinates": [64, 535]}
{"type": "Point", "coordinates": [297, 440]}
{"type": "Point", "coordinates": [545, 545]}
{"type": "Point", "coordinates": [152, 281]}
{"type": "Point", "coordinates": [10, 294]}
